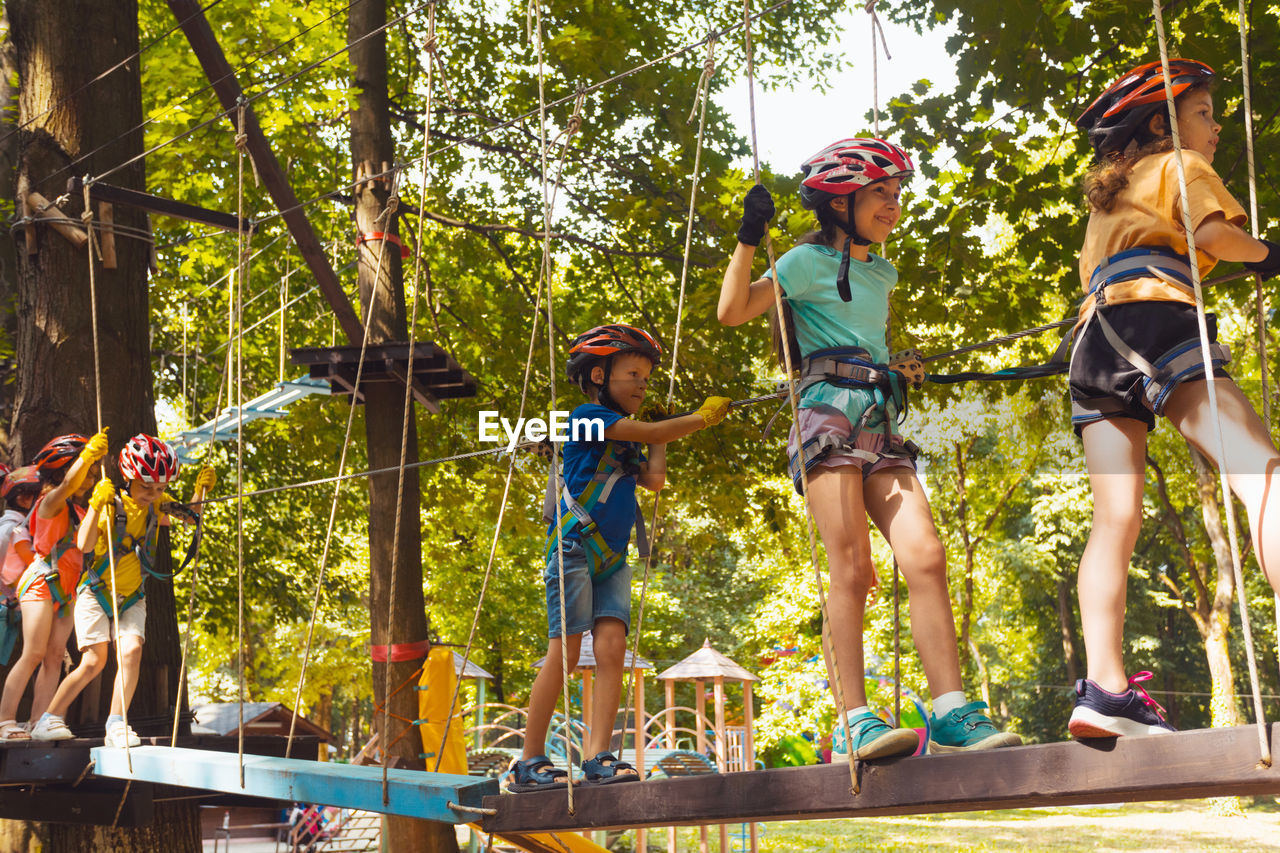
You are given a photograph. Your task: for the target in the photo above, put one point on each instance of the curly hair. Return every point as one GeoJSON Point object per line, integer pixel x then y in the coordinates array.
{"type": "Point", "coordinates": [1108, 177]}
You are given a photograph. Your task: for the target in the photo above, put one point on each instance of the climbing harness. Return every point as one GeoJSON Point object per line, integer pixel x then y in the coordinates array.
{"type": "Point", "coordinates": [852, 367]}
{"type": "Point", "coordinates": [142, 547]}
{"type": "Point", "coordinates": [619, 459]}
{"type": "Point", "coordinates": [45, 568]}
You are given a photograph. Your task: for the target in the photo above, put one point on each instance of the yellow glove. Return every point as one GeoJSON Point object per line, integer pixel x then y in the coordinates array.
{"type": "Point", "coordinates": [714, 410]}
{"type": "Point", "coordinates": [96, 448]}
{"type": "Point", "coordinates": [206, 480]}
{"type": "Point", "coordinates": [104, 495]}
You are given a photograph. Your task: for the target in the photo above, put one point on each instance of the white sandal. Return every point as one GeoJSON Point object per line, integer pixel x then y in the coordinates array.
{"type": "Point", "coordinates": [10, 730]}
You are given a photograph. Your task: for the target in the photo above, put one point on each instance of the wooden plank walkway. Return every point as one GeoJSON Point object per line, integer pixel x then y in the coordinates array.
{"type": "Point", "coordinates": [1186, 765]}
{"type": "Point", "coordinates": [411, 793]}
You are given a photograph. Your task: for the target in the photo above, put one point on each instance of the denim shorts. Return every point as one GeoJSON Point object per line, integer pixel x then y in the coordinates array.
{"type": "Point", "coordinates": [584, 601]}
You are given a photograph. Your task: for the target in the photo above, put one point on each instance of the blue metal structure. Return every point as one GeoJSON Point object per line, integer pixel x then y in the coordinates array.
{"type": "Point", "coordinates": [269, 405]}
{"type": "Point", "coordinates": [411, 793]}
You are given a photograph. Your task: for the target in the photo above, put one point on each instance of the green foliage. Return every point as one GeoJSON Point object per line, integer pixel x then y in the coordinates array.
{"type": "Point", "coordinates": [987, 248]}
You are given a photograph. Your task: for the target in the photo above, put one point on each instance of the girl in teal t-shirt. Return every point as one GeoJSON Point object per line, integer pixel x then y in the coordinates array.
{"type": "Point", "coordinates": [836, 294]}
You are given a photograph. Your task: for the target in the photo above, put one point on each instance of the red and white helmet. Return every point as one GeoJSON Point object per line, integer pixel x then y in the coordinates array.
{"type": "Point", "coordinates": [148, 459]}
{"type": "Point", "coordinates": [849, 165]}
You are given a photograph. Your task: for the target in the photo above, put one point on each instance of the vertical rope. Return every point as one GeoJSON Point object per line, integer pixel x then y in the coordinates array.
{"type": "Point", "coordinates": [1221, 452]}
{"type": "Point", "coordinates": [535, 12]}
{"type": "Point", "coordinates": [793, 398]}
{"type": "Point", "coordinates": [571, 128]}
{"type": "Point", "coordinates": [87, 217]}
{"type": "Point", "coordinates": [242, 244]}
{"type": "Point", "coordinates": [701, 96]}
{"type": "Point", "coordinates": [1259, 299]}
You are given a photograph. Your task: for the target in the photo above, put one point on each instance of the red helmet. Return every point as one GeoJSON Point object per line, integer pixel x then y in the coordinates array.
{"type": "Point", "coordinates": [28, 475]}
{"type": "Point", "coordinates": [597, 345]}
{"type": "Point", "coordinates": [148, 459]}
{"type": "Point", "coordinates": [849, 165]}
{"type": "Point", "coordinates": [60, 452]}
{"type": "Point", "coordinates": [1123, 110]}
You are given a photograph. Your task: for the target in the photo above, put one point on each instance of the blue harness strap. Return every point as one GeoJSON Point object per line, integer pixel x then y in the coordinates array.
{"type": "Point", "coordinates": [10, 628]}
{"type": "Point", "coordinates": [1142, 261]}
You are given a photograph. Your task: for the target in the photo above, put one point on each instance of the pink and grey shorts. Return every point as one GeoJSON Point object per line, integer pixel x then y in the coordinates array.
{"type": "Point", "coordinates": [878, 455]}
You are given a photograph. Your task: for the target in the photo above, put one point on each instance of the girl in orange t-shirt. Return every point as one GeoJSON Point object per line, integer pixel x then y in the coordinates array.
{"type": "Point", "coordinates": [47, 587]}
{"type": "Point", "coordinates": [1137, 355]}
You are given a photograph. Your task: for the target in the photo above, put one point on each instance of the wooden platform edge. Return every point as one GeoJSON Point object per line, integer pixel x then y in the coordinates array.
{"type": "Point", "coordinates": [1186, 765]}
{"type": "Point", "coordinates": [410, 793]}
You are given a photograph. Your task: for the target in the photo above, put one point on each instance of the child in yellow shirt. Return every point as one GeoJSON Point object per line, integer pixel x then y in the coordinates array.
{"type": "Point", "coordinates": [131, 523]}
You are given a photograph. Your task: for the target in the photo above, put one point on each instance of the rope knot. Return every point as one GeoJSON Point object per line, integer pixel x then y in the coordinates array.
{"type": "Point", "coordinates": [242, 143]}
{"type": "Point", "coordinates": [574, 125]}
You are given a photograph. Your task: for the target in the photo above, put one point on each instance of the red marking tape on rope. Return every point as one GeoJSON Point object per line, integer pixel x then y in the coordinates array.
{"type": "Point", "coordinates": [401, 652]}
{"type": "Point", "coordinates": [383, 235]}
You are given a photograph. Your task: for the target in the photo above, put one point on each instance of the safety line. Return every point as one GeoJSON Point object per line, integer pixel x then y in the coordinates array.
{"type": "Point", "coordinates": [90, 245]}
{"type": "Point", "coordinates": [702, 94]}
{"type": "Point", "coordinates": [1211, 386]}
{"type": "Point", "coordinates": [793, 398]}
{"type": "Point", "coordinates": [1259, 299]}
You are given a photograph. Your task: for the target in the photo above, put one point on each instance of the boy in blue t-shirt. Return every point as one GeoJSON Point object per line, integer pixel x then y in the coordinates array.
{"type": "Point", "coordinates": [603, 463]}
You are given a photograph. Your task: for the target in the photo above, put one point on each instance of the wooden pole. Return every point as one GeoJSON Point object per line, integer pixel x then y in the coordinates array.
{"type": "Point", "coordinates": [700, 726]}
{"type": "Point", "coordinates": [749, 748]}
{"type": "Point", "coordinates": [223, 79]}
{"type": "Point", "coordinates": [670, 714]}
{"type": "Point", "coordinates": [722, 748]}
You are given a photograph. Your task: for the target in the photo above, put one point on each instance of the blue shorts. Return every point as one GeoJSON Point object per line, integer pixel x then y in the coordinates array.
{"type": "Point", "coordinates": [584, 601]}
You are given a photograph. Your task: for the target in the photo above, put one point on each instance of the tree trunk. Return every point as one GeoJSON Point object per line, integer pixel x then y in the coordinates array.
{"type": "Point", "coordinates": [8, 254]}
{"type": "Point", "coordinates": [1067, 627]}
{"type": "Point", "coordinates": [72, 128]}
{"type": "Point", "coordinates": [372, 149]}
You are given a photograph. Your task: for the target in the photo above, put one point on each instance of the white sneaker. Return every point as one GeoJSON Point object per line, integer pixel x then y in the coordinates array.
{"type": "Point", "coordinates": [51, 728]}
{"type": "Point", "coordinates": [120, 735]}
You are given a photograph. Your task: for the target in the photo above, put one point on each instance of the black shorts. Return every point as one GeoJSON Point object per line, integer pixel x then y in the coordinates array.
{"type": "Point", "coordinates": [1104, 384]}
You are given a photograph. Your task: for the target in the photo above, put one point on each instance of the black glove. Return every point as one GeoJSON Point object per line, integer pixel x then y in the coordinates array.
{"type": "Point", "coordinates": [757, 210]}
{"type": "Point", "coordinates": [1269, 266]}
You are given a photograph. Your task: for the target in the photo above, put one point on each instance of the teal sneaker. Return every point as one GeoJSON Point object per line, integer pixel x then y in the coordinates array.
{"type": "Point", "coordinates": [967, 728]}
{"type": "Point", "coordinates": [872, 738]}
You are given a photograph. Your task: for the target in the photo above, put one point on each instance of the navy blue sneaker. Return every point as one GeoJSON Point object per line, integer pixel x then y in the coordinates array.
{"type": "Point", "coordinates": [1101, 713]}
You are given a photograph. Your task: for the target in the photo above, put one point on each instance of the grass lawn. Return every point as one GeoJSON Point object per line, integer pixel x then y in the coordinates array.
{"type": "Point", "coordinates": [1187, 825]}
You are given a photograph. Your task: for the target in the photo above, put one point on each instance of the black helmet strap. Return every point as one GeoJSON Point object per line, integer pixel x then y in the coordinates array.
{"type": "Point", "coordinates": [851, 237]}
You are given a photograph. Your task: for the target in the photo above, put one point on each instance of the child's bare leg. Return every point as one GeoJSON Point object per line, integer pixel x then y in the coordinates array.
{"type": "Point", "coordinates": [609, 642]}
{"type": "Point", "coordinates": [92, 661]}
{"type": "Point", "coordinates": [1252, 460]}
{"type": "Point", "coordinates": [127, 679]}
{"type": "Point", "coordinates": [545, 694]}
{"type": "Point", "coordinates": [835, 497]}
{"type": "Point", "coordinates": [898, 506]}
{"type": "Point", "coordinates": [51, 664]}
{"type": "Point", "coordinates": [37, 622]}
{"type": "Point", "coordinates": [1115, 453]}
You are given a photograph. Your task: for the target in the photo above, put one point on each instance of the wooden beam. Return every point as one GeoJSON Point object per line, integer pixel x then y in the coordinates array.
{"type": "Point", "coordinates": [107, 235]}
{"type": "Point", "coordinates": [411, 793]}
{"type": "Point", "coordinates": [204, 43]}
{"type": "Point", "coordinates": [1186, 765]}
{"type": "Point", "coordinates": [92, 802]}
{"type": "Point", "coordinates": [162, 206]}
{"type": "Point", "coordinates": [43, 209]}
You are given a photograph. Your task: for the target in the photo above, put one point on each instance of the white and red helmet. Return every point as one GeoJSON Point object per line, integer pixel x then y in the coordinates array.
{"type": "Point", "coordinates": [849, 165]}
{"type": "Point", "coordinates": [148, 459]}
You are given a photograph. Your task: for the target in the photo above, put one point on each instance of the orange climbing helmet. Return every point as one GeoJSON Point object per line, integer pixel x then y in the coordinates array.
{"type": "Point", "coordinates": [1121, 113]}
{"type": "Point", "coordinates": [599, 345]}
{"type": "Point", "coordinates": [59, 452]}
{"type": "Point", "coordinates": [148, 459]}
{"type": "Point", "coordinates": [849, 165]}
